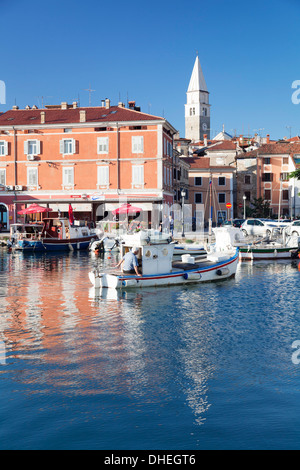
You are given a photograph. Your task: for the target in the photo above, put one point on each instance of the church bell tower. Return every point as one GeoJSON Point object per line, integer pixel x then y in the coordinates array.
{"type": "Point", "coordinates": [197, 108]}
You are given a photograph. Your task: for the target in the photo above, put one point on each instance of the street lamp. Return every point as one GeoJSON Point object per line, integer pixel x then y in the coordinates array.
{"type": "Point", "coordinates": [183, 194]}
{"type": "Point", "coordinates": [244, 197]}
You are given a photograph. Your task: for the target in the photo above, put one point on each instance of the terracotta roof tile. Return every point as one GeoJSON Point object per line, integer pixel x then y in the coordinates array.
{"type": "Point", "coordinates": [72, 115]}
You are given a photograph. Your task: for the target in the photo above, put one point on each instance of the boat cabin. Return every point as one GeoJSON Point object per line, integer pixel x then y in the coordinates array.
{"type": "Point", "coordinates": [61, 228]}
{"type": "Point", "coordinates": [25, 231]}
{"type": "Point", "coordinates": [155, 254]}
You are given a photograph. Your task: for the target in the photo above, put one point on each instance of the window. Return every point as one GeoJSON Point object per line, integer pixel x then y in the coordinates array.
{"type": "Point", "coordinates": [285, 195]}
{"type": "Point", "coordinates": [204, 111]}
{"type": "Point", "coordinates": [267, 194]}
{"type": "Point", "coordinates": [267, 176]}
{"type": "Point", "coordinates": [32, 176]}
{"type": "Point", "coordinates": [247, 179]}
{"type": "Point", "coordinates": [68, 176]}
{"type": "Point", "coordinates": [137, 175]}
{"type": "Point", "coordinates": [222, 181]}
{"type": "Point", "coordinates": [3, 176]}
{"type": "Point", "coordinates": [103, 176]}
{"type": "Point", "coordinates": [267, 161]}
{"type": "Point", "coordinates": [248, 195]}
{"type": "Point", "coordinates": [285, 160]}
{"type": "Point", "coordinates": [284, 176]}
{"type": "Point", "coordinates": [3, 148]}
{"type": "Point", "coordinates": [67, 146]}
{"type": "Point", "coordinates": [198, 180]}
{"type": "Point", "coordinates": [198, 198]}
{"type": "Point", "coordinates": [222, 198]}
{"type": "Point", "coordinates": [32, 147]}
{"type": "Point", "coordinates": [137, 144]}
{"type": "Point", "coordinates": [102, 145]}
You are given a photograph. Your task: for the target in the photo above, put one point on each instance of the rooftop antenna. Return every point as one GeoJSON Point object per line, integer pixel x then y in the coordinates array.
{"type": "Point", "coordinates": [290, 128]}
{"type": "Point", "coordinates": [90, 94]}
{"type": "Point", "coordinates": [42, 98]}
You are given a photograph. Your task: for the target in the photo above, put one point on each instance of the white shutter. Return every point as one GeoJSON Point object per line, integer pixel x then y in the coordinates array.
{"type": "Point", "coordinates": [137, 175]}
{"type": "Point", "coordinates": [38, 147]}
{"type": "Point", "coordinates": [73, 146]}
{"type": "Point", "coordinates": [26, 147]}
{"type": "Point", "coordinates": [32, 176]}
{"type": "Point", "coordinates": [68, 176]}
{"type": "Point", "coordinates": [103, 175]}
{"type": "Point", "coordinates": [61, 146]}
{"type": "Point", "coordinates": [3, 177]}
{"type": "Point", "coordinates": [5, 148]}
{"type": "Point", "coordinates": [137, 144]}
{"type": "Point", "coordinates": [102, 145]}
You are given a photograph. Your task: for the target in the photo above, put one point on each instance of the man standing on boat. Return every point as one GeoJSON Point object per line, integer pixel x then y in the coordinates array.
{"type": "Point", "coordinates": [130, 261]}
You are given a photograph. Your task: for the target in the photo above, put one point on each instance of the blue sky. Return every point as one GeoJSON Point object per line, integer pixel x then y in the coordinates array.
{"type": "Point", "coordinates": [249, 52]}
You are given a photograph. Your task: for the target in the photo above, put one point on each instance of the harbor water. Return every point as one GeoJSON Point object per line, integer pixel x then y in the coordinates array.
{"type": "Point", "coordinates": [204, 366]}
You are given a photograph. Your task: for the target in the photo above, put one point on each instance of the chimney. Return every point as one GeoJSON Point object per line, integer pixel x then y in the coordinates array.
{"type": "Point", "coordinates": [82, 115]}
{"type": "Point", "coordinates": [34, 107]}
{"type": "Point", "coordinates": [43, 117]}
{"type": "Point", "coordinates": [268, 138]}
{"type": "Point", "coordinates": [107, 103]}
{"type": "Point", "coordinates": [64, 105]}
{"type": "Point", "coordinates": [27, 107]}
{"type": "Point", "coordinates": [103, 103]}
{"type": "Point", "coordinates": [15, 107]}
{"type": "Point", "coordinates": [74, 104]}
{"type": "Point", "coordinates": [131, 104]}
{"type": "Point", "coordinates": [205, 140]}
{"type": "Point", "coordinates": [121, 105]}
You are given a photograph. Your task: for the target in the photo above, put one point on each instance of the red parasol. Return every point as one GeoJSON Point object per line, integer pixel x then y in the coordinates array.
{"type": "Point", "coordinates": [126, 209]}
{"type": "Point", "coordinates": [34, 209]}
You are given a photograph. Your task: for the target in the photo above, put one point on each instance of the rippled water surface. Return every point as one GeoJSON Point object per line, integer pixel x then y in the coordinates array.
{"type": "Point", "coordinates": [206, 366]}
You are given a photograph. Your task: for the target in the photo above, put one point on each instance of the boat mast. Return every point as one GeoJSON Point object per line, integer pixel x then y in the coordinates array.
{"type": "Point", "coordinates": [210, 209]}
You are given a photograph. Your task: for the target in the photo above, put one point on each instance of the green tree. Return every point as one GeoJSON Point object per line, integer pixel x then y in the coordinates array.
{"type": "Point", "coordinates": [295, 174]}
{"type": "Point", "coordinates": [260, 208]}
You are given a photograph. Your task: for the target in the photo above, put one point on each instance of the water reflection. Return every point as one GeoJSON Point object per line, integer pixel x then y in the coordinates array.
{"type": "Point", "coordinates": [154, 345]}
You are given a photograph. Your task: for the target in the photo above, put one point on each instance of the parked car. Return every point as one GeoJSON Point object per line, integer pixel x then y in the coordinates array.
{"type": "Point", "coordinates": [293, 228]}
{"type": "Point", "coordinates": [258, 227]}
{"type": "Point", "coordinates": [238, 222]}
{"type": "Point", "coordinates": [233, 222]}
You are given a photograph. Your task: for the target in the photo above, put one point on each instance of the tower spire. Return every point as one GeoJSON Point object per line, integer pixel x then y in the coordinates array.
{"type": "Point", "coordinates": [197, 108]}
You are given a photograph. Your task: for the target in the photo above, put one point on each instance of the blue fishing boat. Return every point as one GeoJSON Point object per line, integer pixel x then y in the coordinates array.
{"type": "Point", "coordinates": [57, 234]}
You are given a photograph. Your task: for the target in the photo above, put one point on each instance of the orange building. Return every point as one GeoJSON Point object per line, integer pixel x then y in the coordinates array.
{"type": "Point", "coordinates": [93, 158]}
{"type": "Point", "coordinates": [273, 163]}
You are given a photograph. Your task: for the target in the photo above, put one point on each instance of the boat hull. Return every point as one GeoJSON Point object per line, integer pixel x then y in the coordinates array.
{"type": "Point", "coordinates": [54, 244]}
{"type": "Point", "coordinates": [210, 271]}
{"type": "Point", "coordinates": [250, 254]}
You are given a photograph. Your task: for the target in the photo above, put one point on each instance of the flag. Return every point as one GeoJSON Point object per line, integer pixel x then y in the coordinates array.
{"type": "Point", "coordinates": [71, 217]}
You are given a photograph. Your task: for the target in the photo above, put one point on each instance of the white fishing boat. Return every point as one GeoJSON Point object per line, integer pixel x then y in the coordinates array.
{"type": "Point", "coordinates": [270, 250]}
{"type": "Point", "coordinates": [271, 247]}
{"type": "Point", "coordinates": [158, 268]}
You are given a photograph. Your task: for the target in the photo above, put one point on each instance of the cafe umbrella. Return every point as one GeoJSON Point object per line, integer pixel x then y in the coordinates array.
{"type": "Point", "coordinates": [127, 209]}
{"type": "Point", "coordinates": [34, 209]}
